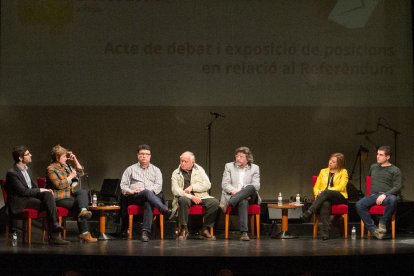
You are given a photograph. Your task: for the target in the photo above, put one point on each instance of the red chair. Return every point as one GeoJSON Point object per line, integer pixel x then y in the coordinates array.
{"type": "Point", "coordinates": [62, 212]}
{"type": "Point", "coordinates": [376, 210]}
{"type": "Point", "coordinates": [27, 216]}
{"type": "Point", "coordinates": [134, 210]}
{"type": "Point", "coordinates": [336, 209]}
{"type": "Point", "coordinates": [253, 211]}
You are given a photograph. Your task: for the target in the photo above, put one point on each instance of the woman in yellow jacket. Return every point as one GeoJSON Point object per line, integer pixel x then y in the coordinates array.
{"type": "Point", "coordinates": [330, 188]}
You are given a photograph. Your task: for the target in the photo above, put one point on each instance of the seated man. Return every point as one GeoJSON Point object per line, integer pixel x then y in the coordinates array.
{"type": "Point", "coordinates": [141, 184]}
{"type": "Point", "coordinates": [23, 192]}
{"type": "Point", "coordinates": [385, 186]}
{"type": "Point", "coordinates": [190, 185]}
{"type": "Point", "coordinates": [241, 183]}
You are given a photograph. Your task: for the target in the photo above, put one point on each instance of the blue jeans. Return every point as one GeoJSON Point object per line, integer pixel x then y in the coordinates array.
{"type": "Point", "coordinates": [363, 205]}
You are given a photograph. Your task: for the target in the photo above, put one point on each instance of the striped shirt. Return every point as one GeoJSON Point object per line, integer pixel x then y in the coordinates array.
{"type": "Point", "coordinates": [135, 176]}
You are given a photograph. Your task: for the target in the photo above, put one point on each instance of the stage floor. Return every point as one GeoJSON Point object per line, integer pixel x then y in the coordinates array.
{"type": "Point", "coordinates": [301, 256]}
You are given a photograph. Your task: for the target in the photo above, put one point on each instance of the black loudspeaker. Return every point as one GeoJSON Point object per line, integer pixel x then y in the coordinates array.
{"type": "Point", "coordinates": [353, 193]}
{"type": "Point", "coordinates": [169, 230]}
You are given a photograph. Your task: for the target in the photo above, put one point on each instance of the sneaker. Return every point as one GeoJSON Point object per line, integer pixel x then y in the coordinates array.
{"type": "Point", "coordinates": [87, 237]}
{"type": "Point", "coordinates": [183, 234]}
{"type": "Point", "coordinates": [85, 214]}
{"type": "Point", "coordinates": [382, 229]}
{"type": "Point", "coordinates": [245, 237]}
{"type": "Point", "coordinates": [145, 237]}
{"type": "Point", "coordinates": [378, 235]}
{"type": "Point", "coordinates": [205, 234]}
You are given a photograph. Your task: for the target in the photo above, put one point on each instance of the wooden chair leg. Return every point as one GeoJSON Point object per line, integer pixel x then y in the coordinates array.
{"type": "Point", "coordinates": [162, 226]}
{"type": "Point", "coordinates": [43, 228]}
{"type": "Point", "coordinates": [393, 226]}
{"type": "Point", "coordinates": [362, 229]}
{"type": "Point", "coordinates": [345, 226]}
{"type": "Point", "coordinates": [63, 223]}
{"type": "Point", "coordinates": [29, 231]}
{"type": "Point", "coordinates": [252, 225]}
{"type": "Point", "coordinates": [131, 221]}
{"type": "Point", "coordinates": [212, 231]}
{"type": "Point", "coordinates": [315, 227]}
{"type": "Point", "coordinates": [258, 226]}
{"type": "Point", "coordinates": [226, 226]}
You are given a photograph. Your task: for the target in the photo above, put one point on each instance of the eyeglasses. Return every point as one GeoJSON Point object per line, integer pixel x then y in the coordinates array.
{"type": "Point", "coordinates": [27, 154]}
{"type": "Point", "coordinates": [144, 154]}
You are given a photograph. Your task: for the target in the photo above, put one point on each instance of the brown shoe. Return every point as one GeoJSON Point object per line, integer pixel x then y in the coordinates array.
{"type": "Point", "coordinates": [85, 214]}
{"type": "Point", "coordinates": [205, 234]}
{"type": "Point", "coordinates": [244, 237]}
{"type": "Point", "coordinates": [86, 237]}
{"type": "Point", "coordinates": [183, 234]}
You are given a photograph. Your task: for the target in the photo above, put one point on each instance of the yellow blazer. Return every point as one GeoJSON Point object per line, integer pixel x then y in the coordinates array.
{"type": "Point", "coordinates": [340, 181]}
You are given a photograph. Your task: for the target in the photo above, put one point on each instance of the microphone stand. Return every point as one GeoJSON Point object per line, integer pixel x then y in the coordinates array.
{"type": "Point", "coordinates": [358, 158]}
{"type": "Point", "coordinates": [209, 127]}
{"type": "Point", "coordinates": [395, 132]}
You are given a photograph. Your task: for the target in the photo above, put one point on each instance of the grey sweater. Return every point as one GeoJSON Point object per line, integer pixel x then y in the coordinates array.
{"type": "Point", "coordinates": [386, 180]}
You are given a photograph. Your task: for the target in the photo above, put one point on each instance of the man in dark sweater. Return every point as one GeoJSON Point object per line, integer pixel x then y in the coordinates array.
{"type": "Point", "coordinates": [385, 186]}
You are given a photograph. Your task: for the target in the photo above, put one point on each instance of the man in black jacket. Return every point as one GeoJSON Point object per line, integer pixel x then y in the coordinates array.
{"type": "Point", "coordinates": [23, 192]}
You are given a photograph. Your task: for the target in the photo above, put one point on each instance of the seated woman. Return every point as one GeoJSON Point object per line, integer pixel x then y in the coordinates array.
{"type": "Point", "coordinates": [62, 179]}
{"type": "Point", "coordinates": [330, 188]}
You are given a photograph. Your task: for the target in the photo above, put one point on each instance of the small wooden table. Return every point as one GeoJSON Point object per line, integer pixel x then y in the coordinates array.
{"type": "Point", "coordinates": [102, 219]}
{"type": "Point", "coordinates": [285, 208]}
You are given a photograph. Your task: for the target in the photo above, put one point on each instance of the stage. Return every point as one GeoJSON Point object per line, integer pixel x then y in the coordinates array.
{"type": "Point", "coordinates": [267, 256]}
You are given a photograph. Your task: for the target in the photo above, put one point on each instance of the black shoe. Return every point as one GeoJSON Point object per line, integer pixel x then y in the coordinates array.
{"type": "Point", "coordinates": [325, 237]}
{"type": "Point", "coordinates": [168, 214]}
{"type": "Point", "coordinates": [123, 235]}
{"type": "Point", "coordinates": [306, 216]}
{"type": "Point", "coordinates": [145, 237]}
{"type": "Point", "coordinates": [56, 240]}
{"type": "Point", "coordinates": [56, 228]}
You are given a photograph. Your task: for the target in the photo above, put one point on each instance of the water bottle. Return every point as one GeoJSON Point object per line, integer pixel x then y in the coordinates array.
{"type": "Point", "coordinates": [297, 199]}
{"type": "Point", "coordinates": [280, 199]}
{"type": "Point", "coordinates": [14, 239]}
{"type": "Point", "coordinates": [353, 233]}
{"type": "Point", "coordinates": [94, 200]}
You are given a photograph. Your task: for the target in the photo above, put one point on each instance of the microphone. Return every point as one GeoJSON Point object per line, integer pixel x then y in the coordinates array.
{"type": "Point", "coordinates": [217, 114]}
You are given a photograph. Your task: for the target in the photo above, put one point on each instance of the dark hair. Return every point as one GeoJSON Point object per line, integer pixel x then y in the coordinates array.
{"type": "Point", "coordinates": [143, 147]}
{"type": "Point", "coordinates": [340, 159]}
{"type": "Point", "coordinates": [386, 150]}
{"type": "Point", "coordinates": [18, 151]}
{"type": "Point", "coordinates": [247, 151]}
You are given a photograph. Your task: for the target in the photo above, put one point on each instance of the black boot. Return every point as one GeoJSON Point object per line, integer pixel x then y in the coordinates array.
{"type": "Point", "coordinates": [307, 215]}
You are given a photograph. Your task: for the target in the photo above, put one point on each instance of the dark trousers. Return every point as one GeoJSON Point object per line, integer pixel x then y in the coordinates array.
{"type": "Point", "coordinates": [241, 200]}
{"type": "Point", "coordinates": [44, 201]}
{"type": "Point", "coordinates": [210, 205]}
{"type": "Point", "coordinates": [149, 200]}
{"type": "Point", "coordinates": [322, 206]}
{"type": "Point", "coordinates": [75, 203]}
